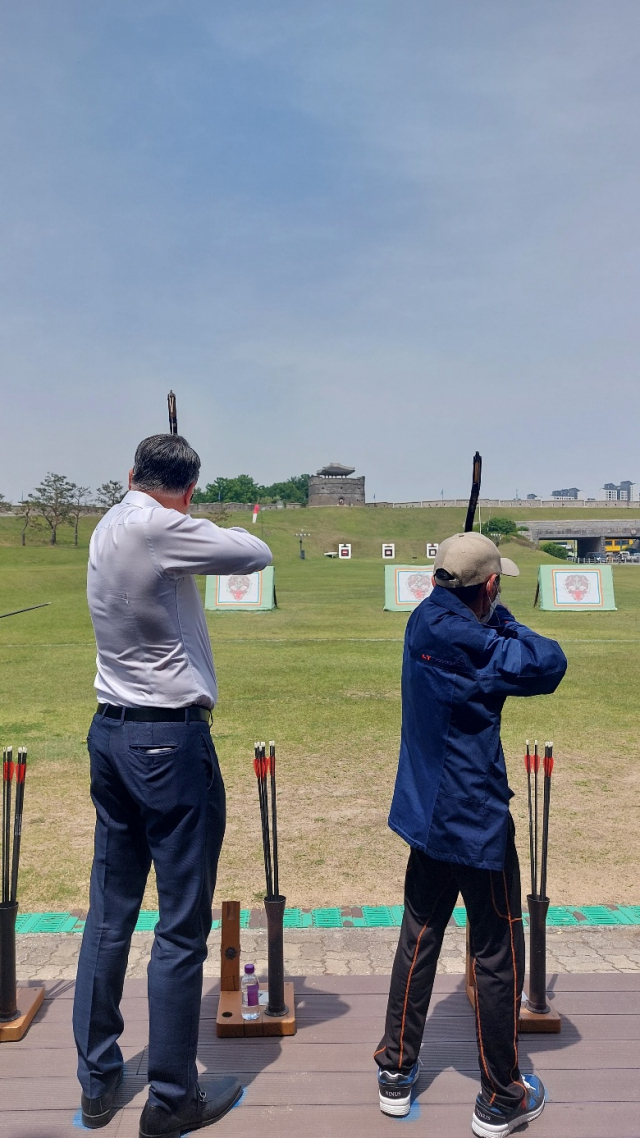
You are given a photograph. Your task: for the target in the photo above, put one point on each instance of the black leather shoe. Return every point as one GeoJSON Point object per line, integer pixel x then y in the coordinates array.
{"type": "Point", "coordinates": [208, 1105]}
{"type": "Point", "coordinates": [98, 1112]}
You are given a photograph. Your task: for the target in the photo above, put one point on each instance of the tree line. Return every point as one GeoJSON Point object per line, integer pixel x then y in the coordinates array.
{"type": "Point", "coordinates": [245, 489]}
{"type": "Point", "coordinates": [57, 501]}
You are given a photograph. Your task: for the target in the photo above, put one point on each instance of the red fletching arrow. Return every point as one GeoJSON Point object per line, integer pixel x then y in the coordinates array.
{"type": "Point", "coordinates": [260, 767]}
{"type": "Point", "coordinates": [548, 767]}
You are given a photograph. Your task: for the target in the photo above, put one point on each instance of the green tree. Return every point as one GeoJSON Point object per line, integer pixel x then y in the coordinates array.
{"type": "Point", "coordinates": [53, 500]}
{"type": "Point", "coordinates": [294, 489]}
{"type": "Point", "coordinates": [243, 488]}
{"type": "Point", "coordinates": [25, 510]}
{"type": "Point", "coordinates": [555, 550]}
{"type": "Point", "coordinates": [503, 526]}
{"type": "Point", "coordinates": [109, 494]}
{"type": "Point", "coordinates": [206, 495]}
{"type": "Point", "coordinates": [79, 500]}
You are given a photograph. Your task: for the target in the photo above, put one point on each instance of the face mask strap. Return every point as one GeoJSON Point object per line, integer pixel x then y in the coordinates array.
{"type": "Point", "coordinates": [492, 608]}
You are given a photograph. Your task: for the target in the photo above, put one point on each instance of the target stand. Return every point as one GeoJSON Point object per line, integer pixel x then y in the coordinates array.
{"type": "Point", "coordinates": [229, 1021]}
{"type": "Point", "coordinates": [534, 1017]}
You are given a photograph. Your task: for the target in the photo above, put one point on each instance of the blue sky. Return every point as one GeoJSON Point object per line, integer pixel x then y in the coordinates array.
{"type": "Point", "coordinates": [379, 233]}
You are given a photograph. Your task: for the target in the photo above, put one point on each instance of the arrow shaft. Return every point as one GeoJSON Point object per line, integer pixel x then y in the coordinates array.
{"type": "Point", "coordinates": [30, 608]}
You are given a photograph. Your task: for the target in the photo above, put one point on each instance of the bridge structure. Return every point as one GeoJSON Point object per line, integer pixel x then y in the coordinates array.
{"type": "Point", "coordinates": [590, 536]}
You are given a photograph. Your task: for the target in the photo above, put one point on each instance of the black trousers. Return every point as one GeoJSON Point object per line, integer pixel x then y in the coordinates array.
{"type": "Point", "coordinates": [493, 903]}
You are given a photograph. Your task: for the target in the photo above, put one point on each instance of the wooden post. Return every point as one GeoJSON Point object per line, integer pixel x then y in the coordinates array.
{"type": "Point", "coordinates": [230, 947]}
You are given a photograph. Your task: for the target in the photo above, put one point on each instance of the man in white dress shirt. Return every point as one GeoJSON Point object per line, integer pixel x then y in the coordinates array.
{"type": "Point", "coordinates": [155, 783]}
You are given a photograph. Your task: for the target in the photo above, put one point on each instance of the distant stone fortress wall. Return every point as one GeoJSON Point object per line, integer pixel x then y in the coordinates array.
{"type": "Point", "coordinates": [327, 490]}
{"type": "Point", "coordinates": [233, 507]}
{"type": "Point", "coordinates": [436, 503]}
{"type": "Point", "coordinates": [509, 503]}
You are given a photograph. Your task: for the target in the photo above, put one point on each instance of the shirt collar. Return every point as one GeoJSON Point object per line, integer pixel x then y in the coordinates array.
{"type": "Point", "coordinates": [448, 600]}
{"type": "Point", "coordinates": [138, 498]}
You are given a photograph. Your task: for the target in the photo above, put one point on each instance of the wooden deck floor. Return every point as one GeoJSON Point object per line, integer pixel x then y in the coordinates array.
{"type": "Point", "coordinates": [321, 1083]}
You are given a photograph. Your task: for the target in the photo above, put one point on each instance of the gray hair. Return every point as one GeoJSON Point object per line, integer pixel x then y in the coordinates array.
{"type": "Point", "coordinates": [165, 462]}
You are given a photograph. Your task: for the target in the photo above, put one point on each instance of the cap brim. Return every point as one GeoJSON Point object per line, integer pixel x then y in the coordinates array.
{"type": "Point", "coordinates": [509, 567]}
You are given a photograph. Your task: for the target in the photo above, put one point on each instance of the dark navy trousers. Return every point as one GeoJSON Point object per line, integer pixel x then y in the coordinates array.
{"type": "Point", "coordinates": [159, 797]}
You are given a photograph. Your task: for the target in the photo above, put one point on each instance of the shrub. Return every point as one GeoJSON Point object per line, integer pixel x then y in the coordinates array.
{"type": "Point", "coordinates": [503, 526]}
{"type": "Point", "coordinates": [555, 550]}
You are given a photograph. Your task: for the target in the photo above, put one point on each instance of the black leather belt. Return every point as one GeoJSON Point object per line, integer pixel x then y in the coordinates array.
{"type": "Point", "coordinates": [155, 714]}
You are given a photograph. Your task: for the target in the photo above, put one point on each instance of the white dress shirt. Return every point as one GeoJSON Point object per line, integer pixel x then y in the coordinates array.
{"type": "Point", "coordinates": [149, 624]}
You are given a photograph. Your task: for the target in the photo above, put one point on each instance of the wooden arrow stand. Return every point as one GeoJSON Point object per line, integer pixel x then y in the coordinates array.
{"type": "Point", "coordinates": [229, 1021]}
{"type": "Point", "coordinates": [544, 1023]}
{"type": "Point", "coordinates": [28, 1001]}
{"type": "Point", "coordinates": [19, 1002]}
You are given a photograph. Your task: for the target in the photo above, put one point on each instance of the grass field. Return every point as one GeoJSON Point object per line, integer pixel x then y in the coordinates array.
{"type": "Point", "coordinates": [321, 675]}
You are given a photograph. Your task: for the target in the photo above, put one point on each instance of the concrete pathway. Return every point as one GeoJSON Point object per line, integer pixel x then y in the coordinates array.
{"type": "Point", "coordinates": [340, 952]}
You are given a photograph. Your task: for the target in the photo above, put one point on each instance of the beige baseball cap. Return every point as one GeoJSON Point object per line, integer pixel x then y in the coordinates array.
{"type": "Point", "coordinates": [469, 559]}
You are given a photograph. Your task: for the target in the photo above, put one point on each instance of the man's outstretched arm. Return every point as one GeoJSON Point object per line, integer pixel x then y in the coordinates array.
{"type": "Point", "coordinates": [519, 661]}
{"type": "Point", "coordinates": [184, 545]}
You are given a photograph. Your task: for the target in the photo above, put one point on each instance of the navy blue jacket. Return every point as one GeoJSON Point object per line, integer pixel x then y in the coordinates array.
{"type": "Point", "coordinates": [451, 797]}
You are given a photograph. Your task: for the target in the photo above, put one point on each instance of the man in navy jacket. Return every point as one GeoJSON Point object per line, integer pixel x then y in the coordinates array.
{"type": "Point", "coordinates": [464, 653]}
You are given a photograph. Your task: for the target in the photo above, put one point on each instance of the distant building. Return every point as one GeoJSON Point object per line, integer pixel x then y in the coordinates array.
{"type": "Point", "coordinates": [625, 492]}
{"type": "Point", "coordinates": [531, 497]}
{"type": "Point", "coordinates": [572, 492]}
{"type": "Point", "coordinates": [333, 486]}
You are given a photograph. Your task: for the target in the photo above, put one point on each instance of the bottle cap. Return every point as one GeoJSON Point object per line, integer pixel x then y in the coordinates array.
{"type": "Point", "coordinates": [249, 969]}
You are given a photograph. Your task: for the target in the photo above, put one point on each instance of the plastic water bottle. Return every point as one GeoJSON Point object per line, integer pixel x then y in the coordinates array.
{"type": "Point", "coordinates": [250, 989]}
